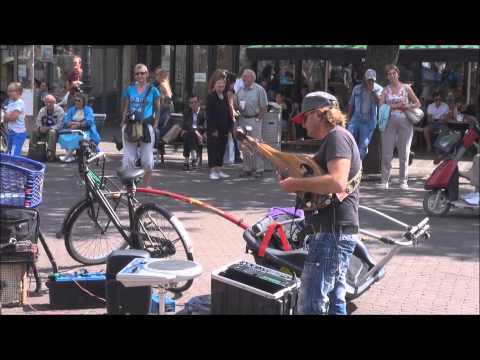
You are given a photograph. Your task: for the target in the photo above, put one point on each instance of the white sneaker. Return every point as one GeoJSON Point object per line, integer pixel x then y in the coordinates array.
{"type": "Point", "coordinates": [404, 186]}
{"type": "Point", "coordinates": [67, 158]}
{"type": "Point", "coordinates": [222, 174]}
{"type": "Point", "coordinates": [214, 176]}
{"type": "Point", "coordinates": [383, 185]}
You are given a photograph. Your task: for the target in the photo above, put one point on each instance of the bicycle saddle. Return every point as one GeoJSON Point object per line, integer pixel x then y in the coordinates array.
{"type": "Point", "coordinates": [128, 176]}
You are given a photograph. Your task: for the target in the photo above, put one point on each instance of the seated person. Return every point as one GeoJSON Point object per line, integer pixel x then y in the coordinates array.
{"type": "Point", "coordinates": [437, 113]}
{"type": "Point", "coordinates": [80, 117]}
{"type": "Point", "coordinates": [192, 131]}
{"type": "Point", "coordinates": [49, 122]}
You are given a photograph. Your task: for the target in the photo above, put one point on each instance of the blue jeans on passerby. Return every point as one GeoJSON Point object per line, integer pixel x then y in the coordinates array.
{"type": "Point", "coordinates": [15, 142]}
{"type": "Point", "coordinates": [323, 282]}
{"type": "Point", "coordinates": [362, 131]}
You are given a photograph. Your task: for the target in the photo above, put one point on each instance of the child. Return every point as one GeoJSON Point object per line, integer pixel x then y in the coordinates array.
{"type": "Point", "coordinates": [15, 117]}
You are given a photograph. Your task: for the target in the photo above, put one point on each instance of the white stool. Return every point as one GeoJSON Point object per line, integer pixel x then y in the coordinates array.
{"type": "Point", "coordinates": [160, 272]}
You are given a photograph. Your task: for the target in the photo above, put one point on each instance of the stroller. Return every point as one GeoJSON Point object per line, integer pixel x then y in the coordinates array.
{"type": "Point", "coordinates": [363, 271]}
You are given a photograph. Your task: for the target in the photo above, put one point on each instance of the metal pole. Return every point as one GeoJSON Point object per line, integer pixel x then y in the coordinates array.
{"type": "Point", "coordinates": [327, 64]}
{"type": "Point", "coordinates": [469, 81]}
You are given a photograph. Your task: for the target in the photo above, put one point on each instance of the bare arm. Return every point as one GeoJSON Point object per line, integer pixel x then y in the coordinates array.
{"type": "Point", "coordinates": [262, 112]}
{"type": "Point", "coordinates": [350, 109]}
{"type": "Point", "coordinates": [333, 182]}
{"type": "Point", "coordinates": [12, 116]}
{"type": "Point", "coordinates": [157, 112]}
{"type": "Point", "coordinates": [124, 112]}
{"type": "Point", "coordinates": [413, 98]}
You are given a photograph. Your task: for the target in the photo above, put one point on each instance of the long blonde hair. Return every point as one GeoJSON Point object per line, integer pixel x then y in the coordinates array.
{"type": "Point", "coordinates": [165, 83]}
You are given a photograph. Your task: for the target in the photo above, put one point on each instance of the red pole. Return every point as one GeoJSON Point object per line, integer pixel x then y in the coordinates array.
{"type": "Point", "coordinates": [192, 201]}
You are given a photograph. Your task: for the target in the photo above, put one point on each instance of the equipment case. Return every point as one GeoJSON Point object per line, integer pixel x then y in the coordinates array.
{"type": "Point", "coordinates": [66, 294]}
{"type": "Point", "coordinates": [231, 296]}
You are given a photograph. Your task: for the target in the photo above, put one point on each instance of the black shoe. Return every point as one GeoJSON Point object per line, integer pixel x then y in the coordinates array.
{"type": "Point", "coordinates": [50, 156]}
{"type": "Point", "coordinates": [410, 158]}
{"type": "Point", "coordinates": [186, 167]}
{"type": "Point", "coordinates": [194, 164]}
{"type": "Point", "coordinates": [244, 174]}
{"type": "Point", "coordinates": [258, 174]}
{"type": "Point", "coordinates": [118, 144]}
{"type": "Point", "coordinates": [138, 163]}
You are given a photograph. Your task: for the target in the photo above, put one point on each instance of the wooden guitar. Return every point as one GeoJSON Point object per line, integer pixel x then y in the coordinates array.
{"type": "Point", "coordinates": [291, 165]}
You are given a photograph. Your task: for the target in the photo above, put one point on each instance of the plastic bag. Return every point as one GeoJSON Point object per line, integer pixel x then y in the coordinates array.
{"type": "Point", "coordinates": [229, 156]}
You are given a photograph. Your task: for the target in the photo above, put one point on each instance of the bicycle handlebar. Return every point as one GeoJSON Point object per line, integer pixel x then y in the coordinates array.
{"type": "Point", "coordinates": [93, 158]}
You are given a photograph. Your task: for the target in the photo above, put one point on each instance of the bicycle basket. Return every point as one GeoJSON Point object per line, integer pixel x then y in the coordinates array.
{"type": "Point", "coordinates": [21, 181]}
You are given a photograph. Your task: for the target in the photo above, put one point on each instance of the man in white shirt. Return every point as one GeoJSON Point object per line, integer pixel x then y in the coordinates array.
{"type": "Point", "coordinates": [436, 117]}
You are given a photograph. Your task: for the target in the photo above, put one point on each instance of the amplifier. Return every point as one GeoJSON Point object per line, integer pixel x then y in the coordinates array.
{"type": "Point", "coordinates": [246, 288]}
{"type": "Point", "coordinates": [80, 290]}
{"type": "Point", "coordinates": [120, 299]}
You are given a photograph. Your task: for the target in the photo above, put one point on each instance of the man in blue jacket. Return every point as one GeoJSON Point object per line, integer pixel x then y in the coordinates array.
{"type": "Point", "coordinates": [362, 111]}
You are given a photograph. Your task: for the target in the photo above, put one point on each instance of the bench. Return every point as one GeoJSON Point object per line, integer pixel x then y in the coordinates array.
{"type": "Point", "coordinates": [175, 119]}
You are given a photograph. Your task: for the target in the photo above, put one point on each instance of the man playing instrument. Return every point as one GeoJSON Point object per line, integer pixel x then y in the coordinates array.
{"type": "Point", "coordinates": [331, 245]}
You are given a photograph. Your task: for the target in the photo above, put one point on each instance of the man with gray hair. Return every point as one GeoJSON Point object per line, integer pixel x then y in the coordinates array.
{"type": "Point", "coordinates": [49, 121]}
{"type": "Point", "coordinates": [362, 110]}
{"type": "Point", "coordinates": [251, 100]}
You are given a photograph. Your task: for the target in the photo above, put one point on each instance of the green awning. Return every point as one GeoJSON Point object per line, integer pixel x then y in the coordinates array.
{"type": "Point", "coordinates": [354, 53]}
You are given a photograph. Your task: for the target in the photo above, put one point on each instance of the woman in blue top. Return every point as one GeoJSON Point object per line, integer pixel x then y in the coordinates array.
{"type": "Point", "coordinates": [15, 117]}
{"type": "Point", "coordinates": [133, 104]}
{"type": "Point", "coordinates": [80, 117]}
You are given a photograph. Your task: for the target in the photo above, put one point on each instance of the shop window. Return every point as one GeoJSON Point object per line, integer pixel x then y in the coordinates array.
{"type": "Point", "coordinates": [180, 68]}
{"type": "Point", "coordinates": [97, 71]}
{"type": "Point", "coordinates": [225, 57]}
{"type": "Point", "coordinates": [200, 71]}
{"type": "Point", "coordinates": [112, 70]}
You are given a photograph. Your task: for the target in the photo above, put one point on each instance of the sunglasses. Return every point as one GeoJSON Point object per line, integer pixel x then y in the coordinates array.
{"type": "Point", "coordinates": [141, 73]}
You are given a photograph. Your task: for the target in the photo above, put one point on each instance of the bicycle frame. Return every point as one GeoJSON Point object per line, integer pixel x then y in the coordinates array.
{"type": "Point", "coordinates": [93, 191]}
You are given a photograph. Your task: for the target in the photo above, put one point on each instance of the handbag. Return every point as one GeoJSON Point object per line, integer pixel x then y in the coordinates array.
{"type": "Point", "coordinates": [18, 224]}
{"type": "Point", "coordinates": [414, 115]}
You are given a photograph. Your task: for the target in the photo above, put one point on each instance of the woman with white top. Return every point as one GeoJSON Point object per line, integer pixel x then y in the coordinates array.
{"type": "Point", "coordinates": [399, 130]}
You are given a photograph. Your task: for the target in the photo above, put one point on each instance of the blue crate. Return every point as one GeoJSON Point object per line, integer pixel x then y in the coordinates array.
{"type": "Point", "coordinates": [154, 306]}
{"type": "Point", "coordinates": [21, 181]}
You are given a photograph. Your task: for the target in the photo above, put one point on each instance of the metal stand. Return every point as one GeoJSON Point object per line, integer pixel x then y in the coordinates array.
{"type": "Point", "coordinates": [161, 300]}
{"type": "Point", "coordinates": [50, 258]}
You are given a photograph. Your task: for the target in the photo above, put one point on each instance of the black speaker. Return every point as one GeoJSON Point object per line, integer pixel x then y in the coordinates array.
{"type": "Point", "coordinates": [121, 299]}
{"type": "Point", "coordinates": [372, 163]}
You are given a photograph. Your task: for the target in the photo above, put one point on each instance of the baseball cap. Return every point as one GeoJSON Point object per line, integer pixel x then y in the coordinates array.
{"type": "Point", "coordinates": [370, 74]}
{"type": "Point", "coordinates": [315, 100]}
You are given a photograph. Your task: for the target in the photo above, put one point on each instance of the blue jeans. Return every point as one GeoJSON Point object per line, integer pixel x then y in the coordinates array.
{"type": "Point", "coordinates": [15, 142]}
{"type": "Point", "coordinates": [362, 131]}
{"type": "Point", "coordinates": [323, 286]}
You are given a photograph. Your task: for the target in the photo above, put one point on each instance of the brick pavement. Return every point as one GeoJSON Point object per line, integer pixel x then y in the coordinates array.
{"type": "Point", "coordinates": [439, 277]}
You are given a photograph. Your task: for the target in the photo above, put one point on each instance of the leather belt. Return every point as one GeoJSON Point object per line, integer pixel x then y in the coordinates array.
{"type": "Point", "coordinates": [338, 229]}
{"type": "Point", "coordinates": [249, 117]}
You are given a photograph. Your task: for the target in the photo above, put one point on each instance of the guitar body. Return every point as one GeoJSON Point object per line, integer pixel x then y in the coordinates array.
{"type": "Point", "coordinates": [290, 165]}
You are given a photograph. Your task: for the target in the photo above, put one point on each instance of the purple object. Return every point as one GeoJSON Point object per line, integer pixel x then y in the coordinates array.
{"type": "Point", "coordinates": [276, 212]}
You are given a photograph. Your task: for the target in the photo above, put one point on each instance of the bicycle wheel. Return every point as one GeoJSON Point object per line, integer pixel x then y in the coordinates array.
{"type": "Point", "coordinates": [161, 234]}
{"type": "Point", "coordinates": [91, 237]}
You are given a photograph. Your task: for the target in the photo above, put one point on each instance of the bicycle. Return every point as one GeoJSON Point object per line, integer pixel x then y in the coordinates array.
{"type": "Point", "coordinates": [113, 210]}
